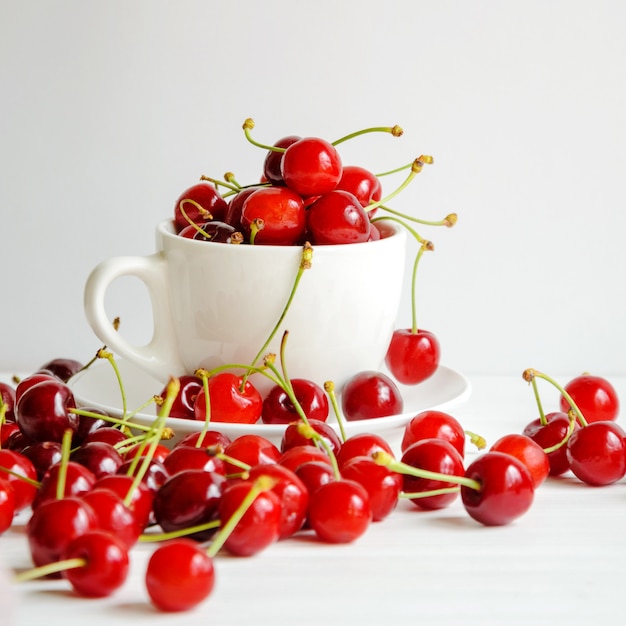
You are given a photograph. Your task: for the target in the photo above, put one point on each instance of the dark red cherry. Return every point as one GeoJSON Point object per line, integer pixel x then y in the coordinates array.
{"type": "Point", "coordinates": [235, 206]}
{"type": "Point", "coordinates": [272, 166]}
{"type": "Point", "coordinates": [190, 457]}
{"type": "Point", "coordinates": [62, 368]}
{"type": "Point", "coordinates": [369, 395]}
{"type": "Point", "coordinates": [278, 408]}
{"type": "Point", "coordinates": [214, 231]}
{"type": "Point", "coordinates": [7, 401]}
{"type": "Point", "coordinates": [292, 437]}
{"type": "Point", "coordinates": [19, 467]}
{"type": "Point", "coordinates": [101, 458]}
{"type": "Point", "coordinates": [7, 505]}
{"type": "Point", "coordinates": [31, 381]}
{"type": "Point", "coordinates": [207, 439]}
{"type": "Point", "coordinates": [413, 357]}
{"type": "Point", "coordinates": [207, 197]}
{"type": "Point", "coordinates": [43, 455]}
{"type": "Point", "coordinates": [154, 476]}
{"type": "Point", "coordinates": [77, 478]}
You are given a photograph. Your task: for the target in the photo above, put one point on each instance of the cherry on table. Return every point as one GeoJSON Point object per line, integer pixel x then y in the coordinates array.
{"type": "Point", "coordinates": [595, 396]}
{"type": "Point", "coordinates": [7, 505]}
{"type": "Point", "coordinates": [296, 456]}
{"type": "Point", "coordinates": [362, 444]}
{"type": "Point", "coordinates": [250, 450]}
{"type": "Point", "coordinates": [21, 467]}
{"type": "Point", "coordinates": [369, 395]}
{"type": "Point", "coordinates": [413, 356]}
{"type": "Point", "coordinates": [434, 423]}
{"type": "Point", "coordinates": [529, 452]}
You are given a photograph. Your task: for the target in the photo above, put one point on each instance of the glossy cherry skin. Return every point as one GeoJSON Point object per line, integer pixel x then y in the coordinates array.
{"type": "Point", "coordinates": [229, 402]}
{"type": "Point", "coordinates": [141, 499]}
{"type": "Point", "coordinates": [361, 183]}
{"type": "Point", "coordinates": [207, 197]}
{"type": "Point", "coordinates": [278, 408]}
{"type": "Point", "coordinates": [6, 430]}
{"type": "Point", "coordinates": [550, 434]}
{"type": "Point", "coordinates": [190, 387]}
{"type": "Point", "coordinates": [107, 434]}
{"type": "Point", "coordinates": [369, 395]}
{"type": "Point", "coordinates": [7, 505]}
{"type": "Point", "coordinates": [31, 381]}
{"type": "Point", "coordinates": [337, 217]}
{"type": "Point", "coordinates": [382, 485]}
{"type": "Point", "coordinates": [78, 480]}
{"type": "Point", "coordinates": [292, 437]}
{"type": "Point", "coordinates": [235, 206]}
{"type": "Point", "coordinates": [283, 214]}
{"type": "Point", "coordinates": [101, 458]}
{"type": "Point", "coordinates": [597, 453]}
{"type": "Point", "coordinates": [43, 455]}
{"type": "Point", "coordinates": [190, 457]}
{"type": "Point", "coordinates": [208, 439]}
{"type": "Point", "coordinates": [433, 423]}
{"type": "Point", "coordinates": [106, 563]}
{"type": "Point", "coordinates": [158, 452]}
{"type": "Point", "coordinates": [189, 498]}
{"type": "Point", "coordinates": [296, 456]}
{"type": "Point", "coordinates": [433, 455]}
{"type": "Point", "coordinates": [259, 526]}
{"type": "Point", "coordinates": [594, 396]}
{"type": "Point", "coordinates": [413, 357]}
{"type": "Point", "coordinates": [113, 515]}
{"type": "Point", "coordinates": [506, 489]}
{"type": "Point", "coordinates": [251, 450]}
{"type": "Point", "coordinates": [43, 411]}
{"type": "Point", "coordinates": [272, 170]}
{"type": "Point", "coordinates": [340, 511]}
{"type": "Point", "coordinates": [314, 474]}
{"type": "Point", "coordinates": [88, 425]}
{"type": "Point", "coordinates": [62, 368]}
{"type": "Point", "coordinates": [54, 524]}
{"type": "Point", "coordinates": [19, 465]}
{"type": "Point", "coordinates": [529, 452]}
{"type": "Point", "coordinates": [179, 575]}
{"type": "Point", "coordinates": [292, 493]}
{"type": "Point", "coordinates": [155, 474]}
{"type": "Point", "coordinates": [362, 444]}
{"type": "Point", "coordinates": [311, 166]}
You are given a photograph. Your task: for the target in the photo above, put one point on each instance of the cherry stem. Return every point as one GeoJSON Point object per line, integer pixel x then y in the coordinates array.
{"type": "Point", "coordinates": [21, 477]}
{"type": "Point", "coordinates": [568, 434]}
{"type": "Point", "coordinates": [107, 418]}
{"type": "Point", "coordinates": [395, 131]}
{"type": "Point", "coordinates": [384, 458]}
{"type": "Point", "coordinates": [448, 221]}
{"type": "Point", "coordinates": [66, 444]}
{"type": "Point", "coordinates": [261, 484]}
{"type": "Point", "coordinates": [175, 534]}
{"type": "Point", "coordinates": [310, 433]}
{"type": "Point", "coordinates": [542, 415]}
{"type": "Point", "coordinates": [478, 440]}
{"type": "Point", "coordinates": [230, 178]}
{"type": "Point", "coordinates": [105, 354]}
{"type": "Point", "coordinates": [287, 387]}
{"type": "Point", "coordinates": [49, 568]}
{"type": "Point", "coordinates": [305, 264]}
{"type": "Point", "coordinates": [531, 373]}
{"type": "Point", "coordinates": [248, 125]}
{"type": "Point", "coordinates": [329, 388]}
{"type": "Point", "coordinates": [222, 183]}
{"type": "Point", "coordinates": [414, 495]}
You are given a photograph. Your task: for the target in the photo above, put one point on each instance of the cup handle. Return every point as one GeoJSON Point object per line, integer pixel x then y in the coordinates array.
{"type": "Point", "coordinates": [159, 357]}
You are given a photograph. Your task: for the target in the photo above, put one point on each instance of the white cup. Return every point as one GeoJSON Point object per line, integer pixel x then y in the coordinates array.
{"type": "Point", "coordinates": [216, 304]}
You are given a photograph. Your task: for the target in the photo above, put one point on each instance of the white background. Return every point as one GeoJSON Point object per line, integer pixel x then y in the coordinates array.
{"type": "Point", "coordinates": [108, 110]}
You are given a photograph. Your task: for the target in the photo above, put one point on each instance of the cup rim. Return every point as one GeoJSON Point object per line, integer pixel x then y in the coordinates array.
{"type": "Point", "coordinates": [395, 232]}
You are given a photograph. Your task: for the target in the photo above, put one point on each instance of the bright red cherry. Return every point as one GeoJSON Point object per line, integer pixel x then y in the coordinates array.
{"type": "Point", "coordinates": [179, 576]}
{"type": "Point", "coordinates": [340, 511]}
{"type": "Point", "coordinates": [20, 466]}
{"type": "Point", "coordinates": [235, 206]}
{"type": "Point", "coordinates": [283, 214]}
{"type": "Point", "coordinates": [292, 436]}
{"type": "Point", "coordinates": [311, 166]}
{"type": "Point", "coordinates": [278, 408]}
{"type": "Point", "coordinates": [204, 194]}
{"type": "Point", "coordinates": [361, 183]}
{"type": "Point", "coordinates": [250, 450]}
{"type": "Point", "coordinates": [505, 489]}
{"type": "Point", "coordinates": [370, 394]}
{"type": "Point", "coordinates": [529, 452]}
{"type": "Point", "coordinates": [362, 444]}
{"type": "Point", "coordinates": [413, 357]}
{"type": "Point", "coordinates": [296, 456]}
{"type": "Point", "coordinates": [597, 453]}
{"type": "Point", "coordinates": [594, 396]}
{"type": "Point", "coordinates": [433, 423]}
{"type": "Point", "coordinates": [7, 505]}
{"type": "Point", "coordinates": [337, 217]}
{"type": "Point", "coordinates": [232, 401]}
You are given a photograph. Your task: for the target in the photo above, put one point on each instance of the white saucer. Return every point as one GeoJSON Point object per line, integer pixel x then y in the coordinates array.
{"type": "Point", "coordinates": [98, 387]}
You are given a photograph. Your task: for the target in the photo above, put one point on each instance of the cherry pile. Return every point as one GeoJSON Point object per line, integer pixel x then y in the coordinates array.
{"type": "Point", "coordinates": [93, 485]}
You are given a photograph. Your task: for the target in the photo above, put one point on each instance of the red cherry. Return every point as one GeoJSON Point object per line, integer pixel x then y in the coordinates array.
{"type": "Point", "coordinates": [413, 357]}
{"type": "Point", "coordinates": [158, 453]}
{"type": "Point", "coordinates": [62, 368]}
{"type": "Point", "coordinates": [7, 505]}
{"type": "Point", "coordinates": [311, 166]}
{"type": "Point", "coordinates": [207, 196]}
{"type": "Point", "coordinates": [432, 423]}
{"type": "Point", "coordinates": [7, 401]}
{"type": "Point", "coordinates": [362, 444]}
{"type": "Point", "coordinates": [106, 563]}
{"type": "Point", "coordinates": [6, 430]}
{"type": "Point", "coordinates": [273, 161]}
{"type": "Point", "coordinates": [78, 480]}
{"type": "Point", "coordinates": [232, 401]}
{"type": "Point", "coordinates": [295, 456]}
{"type": "Point", "coordinates": [214, 231]}
{"type": "Point", "coordinates": [383, 486]}
{"type": "Point", "coordinates": [337, 217]}
{"type": "Point", "coordinates": [107, 434]}
{"type": "Point", "coordinates": [141, 497]}
{"type": "Point", "coordinates": [314, 474]}
{"type": "Point", "coordinates": [43, 411]}
{"type": "Point", "coordinates": [597, 453]}
{"type": "Point", "coordinates": [529, 452]}
{"type": "Point", "coordinates": [179, 575]}
{"type": "Point", "coordinates": [506, 489]}
{"type": "Point", "coordinates": [554, 431]}
{"type": "Point", "coordinates": [154, 476]}
{"type": "Point", "coordinates": [235, 206]}
{"type": "Point", "coordinates": [250, 450]}
{"type": "Point", "coordinates": [292, 436]}
{"type": "Point", "coordinates": [278, 408]}
{"type": "Point", "coordinates": [204, 439]}
{"type": "Point", "coordinates": [99, 457]}
{"type": "Point", "coordinates": [369, 395]}
{"type": "Point", "coordinates": [282, 212]}
{"type": "Point", "coordinates": [432, 455]}
{"type": "Point", "coordinates": [594, 396]}
{"type": "Point", "coordinates": [259, 527]}
{"type": "Point", "coordinates": [340, 511]}
{"type": "Point", "coordinates": [185, 457]}
{"type": "Point", "coordinates": [31, 381]}
{"type": "Point", "coordinates": [361, 183]}
{"type": "Point", "coordinates": [190, 387]}
{"type": "Point", "coordinates": [19, 465]}
{"type": "Point", "coordinates": [43, 455]}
